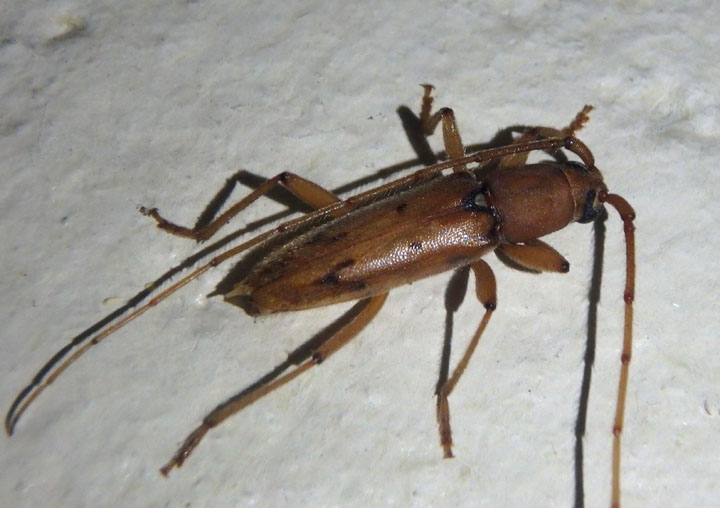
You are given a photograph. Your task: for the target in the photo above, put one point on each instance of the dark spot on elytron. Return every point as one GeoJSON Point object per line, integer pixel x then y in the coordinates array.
{"type": "Point", "coordinates": [328, 279]}
{"type": "Point", "coordinates": [344, 264]}
{"type": "Point", "coordinates": [416, 245]}
{"type": "Point", "coordinates": [318, 238]}
{"type": "Point", "coordinates": [277, 264]}
{"type": "Point", "coordinates": [357, 285]}
{"type": "Point", "coordinates": [321, 238]}
{"type": "Point", "coordinates": [457, 261]}
{"type": "Point", "coordinates": [401, 207]}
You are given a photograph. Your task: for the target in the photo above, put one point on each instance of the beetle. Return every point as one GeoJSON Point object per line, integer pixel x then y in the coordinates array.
{"type": "Point", "coordinates": [419, 225]}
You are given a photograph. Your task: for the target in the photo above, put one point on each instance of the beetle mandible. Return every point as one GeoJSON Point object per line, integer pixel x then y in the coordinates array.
{"type": "Point", "coordinates": [419, 225]}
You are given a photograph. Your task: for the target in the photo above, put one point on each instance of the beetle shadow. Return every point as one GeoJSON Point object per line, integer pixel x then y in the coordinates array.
{"type": "Point", "coordinates": [599, 229]}
{"type": "Point", "coordinates": [454, 295]}
{"type": "Point", "coordinates": [304, 351]}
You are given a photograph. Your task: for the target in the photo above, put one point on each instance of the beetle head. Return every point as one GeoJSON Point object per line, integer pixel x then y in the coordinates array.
{"type": "Point", "coordinates": [586, 184]}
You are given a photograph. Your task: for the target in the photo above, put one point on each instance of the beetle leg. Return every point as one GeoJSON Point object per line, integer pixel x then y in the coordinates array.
{"type": "Point", "coordinates": [451, 136]}
{"type": "Point", "coordinates": [534, 133]}
{"type": "Point", "coordinates": [309, 192]}
{"type": "Point", "coordinates": [244, 399]}
{"type": "Point", "coordinates": [534, 255]}
{"type": "Point", "coordinates": [486, 292]}
{"type": "Point", "coordinates": [578, 122]}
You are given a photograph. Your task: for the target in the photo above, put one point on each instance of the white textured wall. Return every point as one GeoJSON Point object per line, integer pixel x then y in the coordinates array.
{"type": "Point", "coordinates": [157, 103]}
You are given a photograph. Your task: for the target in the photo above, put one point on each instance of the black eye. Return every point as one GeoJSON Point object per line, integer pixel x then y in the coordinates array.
{"type": "Point", "coordinates": [590, 211]}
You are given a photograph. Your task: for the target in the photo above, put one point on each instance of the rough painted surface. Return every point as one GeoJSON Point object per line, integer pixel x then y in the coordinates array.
{"type": "Point", "coordinates": [108, 107]}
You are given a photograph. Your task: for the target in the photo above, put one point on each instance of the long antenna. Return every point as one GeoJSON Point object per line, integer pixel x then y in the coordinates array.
{"type": "Point", "coordinates": [627, 214]}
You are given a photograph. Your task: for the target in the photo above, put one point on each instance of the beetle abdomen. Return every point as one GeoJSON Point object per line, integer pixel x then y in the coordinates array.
{"type": "Point", "coordinates": [375, 248]}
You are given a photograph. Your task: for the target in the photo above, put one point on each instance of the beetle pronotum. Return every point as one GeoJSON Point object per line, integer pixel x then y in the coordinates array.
{"type": "Point", "coordinates": [419, 225]}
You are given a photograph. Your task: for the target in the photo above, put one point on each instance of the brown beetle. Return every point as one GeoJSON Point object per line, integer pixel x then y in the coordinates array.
{"type": "Point", "coordinates": [425, 223]}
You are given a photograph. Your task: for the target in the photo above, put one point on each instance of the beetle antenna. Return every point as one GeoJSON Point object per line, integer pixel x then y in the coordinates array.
{"type": "Point", "coordinates": [627, 214]}
{"type": "Point", "coordinates": [53, 368]}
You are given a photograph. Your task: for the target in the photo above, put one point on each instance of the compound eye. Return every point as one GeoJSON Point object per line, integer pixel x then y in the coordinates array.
{"type": "Point", "coordinates": [592, 208]}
